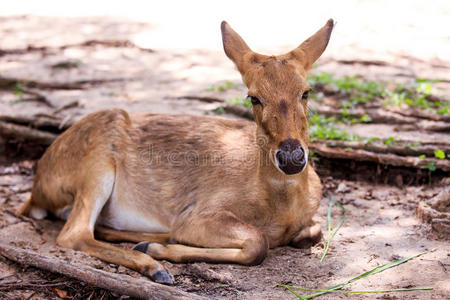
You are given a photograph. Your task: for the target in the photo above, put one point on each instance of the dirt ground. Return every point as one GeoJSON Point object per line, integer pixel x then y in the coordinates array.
{"type": "Point", "coordinates": [380, 226]}
{"type": "Point", "coordinates": [97, 54]}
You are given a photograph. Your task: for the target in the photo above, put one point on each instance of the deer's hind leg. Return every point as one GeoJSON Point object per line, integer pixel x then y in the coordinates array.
{"type": "Point", "coordinates": [113, 235]}
{"type": "Point", "coordinates": [222, 236]}
{"type": "Point", "coordinates": [78, 232]}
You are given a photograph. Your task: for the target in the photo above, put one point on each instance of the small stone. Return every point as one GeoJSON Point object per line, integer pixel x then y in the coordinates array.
{"type": "Point", "coordinates": [342, 188]}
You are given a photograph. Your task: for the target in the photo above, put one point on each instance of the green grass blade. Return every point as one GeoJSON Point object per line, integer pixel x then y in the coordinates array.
{"type": "Point", "coordinates": [376, 270]}
{"type": "Point", "coordinates": [357, 292]}
{"type": "Point", "coordinates": [331, 289]}
{"type": "Point", "coordinates": [295, 293]}
{"type": "Point", "coordinates": [330, 233]}
{"type": "Point", "coordinates": [385, 267]}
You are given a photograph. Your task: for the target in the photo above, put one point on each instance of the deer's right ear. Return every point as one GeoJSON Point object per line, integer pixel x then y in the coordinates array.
{"type": "Point", "coordinates": [311, 49]}
{"type": "Point", "coordinates": [235, 47]}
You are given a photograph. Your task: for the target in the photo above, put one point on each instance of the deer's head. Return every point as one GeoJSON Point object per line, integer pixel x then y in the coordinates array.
{"type": "Point", "coordinates": [278, 91]}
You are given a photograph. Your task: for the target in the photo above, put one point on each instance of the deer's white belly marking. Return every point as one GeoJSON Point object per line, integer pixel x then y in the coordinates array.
{"type": "Point", "coordinates": [122, 217]}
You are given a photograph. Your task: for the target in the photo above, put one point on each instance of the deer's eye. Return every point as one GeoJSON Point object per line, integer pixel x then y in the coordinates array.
{"type": "Point", "coordinates": [254, 100]}
{"type": "Point", "coordinates": [305, 95]}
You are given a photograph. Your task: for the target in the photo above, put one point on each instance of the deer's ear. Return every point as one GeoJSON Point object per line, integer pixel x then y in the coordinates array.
{"type": "Point", "coordinates": [235, 47]}
{"type": "Point", "coordinates": [312, 48]}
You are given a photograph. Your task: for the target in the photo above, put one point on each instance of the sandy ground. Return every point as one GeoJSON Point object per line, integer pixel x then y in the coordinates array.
{"type": "Point", "coordinates": [167, 62]}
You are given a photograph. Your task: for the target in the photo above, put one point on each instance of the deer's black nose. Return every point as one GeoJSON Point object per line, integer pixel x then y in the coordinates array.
{"type": "Point", "coordinates": [290, 157]}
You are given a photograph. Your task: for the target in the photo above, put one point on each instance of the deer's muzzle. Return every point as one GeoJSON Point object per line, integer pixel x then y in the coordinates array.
{"type": "Point", "coordinates": [290, 157]}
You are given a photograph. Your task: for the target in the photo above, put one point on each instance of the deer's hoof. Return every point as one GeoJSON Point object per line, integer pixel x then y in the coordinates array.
{"type": "Point", "coordinates": [141, 247]}
{"type": "Point", "coordinates": [164, 277]}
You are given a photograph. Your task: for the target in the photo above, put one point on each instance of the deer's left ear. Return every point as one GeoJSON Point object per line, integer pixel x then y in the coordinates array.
{"type": "Point", "coordinates": [312, 48]}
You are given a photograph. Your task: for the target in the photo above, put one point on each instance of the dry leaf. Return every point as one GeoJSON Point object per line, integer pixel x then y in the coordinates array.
{"type": "Point", "coordinates": [61, 293]}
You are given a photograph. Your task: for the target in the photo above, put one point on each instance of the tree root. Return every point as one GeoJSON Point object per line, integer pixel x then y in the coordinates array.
{"type": "Point", "coordinates": [377, 116]}
{"type": "Point", "coordinates": [378, 147]}
{"type": "Point", "coordinates": [385, 159]}
{"type": "Point", "coordinates": [412, 121]}
{"type": "Point", "coordinates": [420, 114]}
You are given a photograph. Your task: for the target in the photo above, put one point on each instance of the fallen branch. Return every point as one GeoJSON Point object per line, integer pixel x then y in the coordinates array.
{"type": "Point", "coordinates": [207, 99]}
{"type": "Point", "coordinates": [121, 284]}
{"type": "Point", "coordinates": [108, 43]}
{"type": "Point", "coordinates": [89, 43]}
{"type": "Point", "coordinates": [10, 83]}
{"type": "Point", "coordinates": [25, 134]}
{"type": "Point", "coordinates": [37, 122]}
{"type": "Point", "coordinates": [364, 62]}
{"type": "Point", "coordinates": [385, 159]}
{"type": "Point", "coordinates": [67, 106]}
{"type": "Point", "coordinates": [38, 97]}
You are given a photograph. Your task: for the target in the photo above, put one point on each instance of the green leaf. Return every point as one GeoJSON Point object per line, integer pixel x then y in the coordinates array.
{"type": "Point", "coordinates": [365, 119]}
{"type": "Point", "coordinates": [389, 141]}
{"type": "Point", "coordinates": [370, 140]}
{"type": "Point", "coordinates": [219, 110]}
{"type": "Point", "coordinates": [439, 154]}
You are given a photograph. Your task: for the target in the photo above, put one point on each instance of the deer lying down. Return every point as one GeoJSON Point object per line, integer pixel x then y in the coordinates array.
{"type": "Point", "coordinates": [191, 188]}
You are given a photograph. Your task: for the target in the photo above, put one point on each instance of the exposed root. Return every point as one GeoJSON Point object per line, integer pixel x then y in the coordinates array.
{"type": "Point", "coordinates": [377, 116]}
{"type": "Point", "coordinates": [405, 149]}
{"type": "Point", "coordinates": [385, 159]}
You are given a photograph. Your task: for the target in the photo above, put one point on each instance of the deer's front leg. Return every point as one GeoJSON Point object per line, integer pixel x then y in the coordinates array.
{"type": "Point", "coordinates": [308, 236]}
{"type": "Point", "coordinates": [222, 236]}
{"type": "Point", "coordinates": [78, 232]}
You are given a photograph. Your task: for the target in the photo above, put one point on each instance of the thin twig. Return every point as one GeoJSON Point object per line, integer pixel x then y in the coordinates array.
{"type": "Point", "coordinates": [25, 219]}
{"type": "Point", "coordinates": [27, 286]}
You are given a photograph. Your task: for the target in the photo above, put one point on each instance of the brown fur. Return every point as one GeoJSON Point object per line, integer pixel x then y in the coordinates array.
{"type": "Point", "coordinates": [207, 183]}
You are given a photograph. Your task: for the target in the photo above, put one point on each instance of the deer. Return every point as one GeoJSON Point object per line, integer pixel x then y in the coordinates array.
{"type": "Point", "coordinates": [189, 188]}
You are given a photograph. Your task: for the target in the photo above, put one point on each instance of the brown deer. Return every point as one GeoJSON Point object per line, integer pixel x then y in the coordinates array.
{"type": "Point", "coordinates": [190, 188]}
